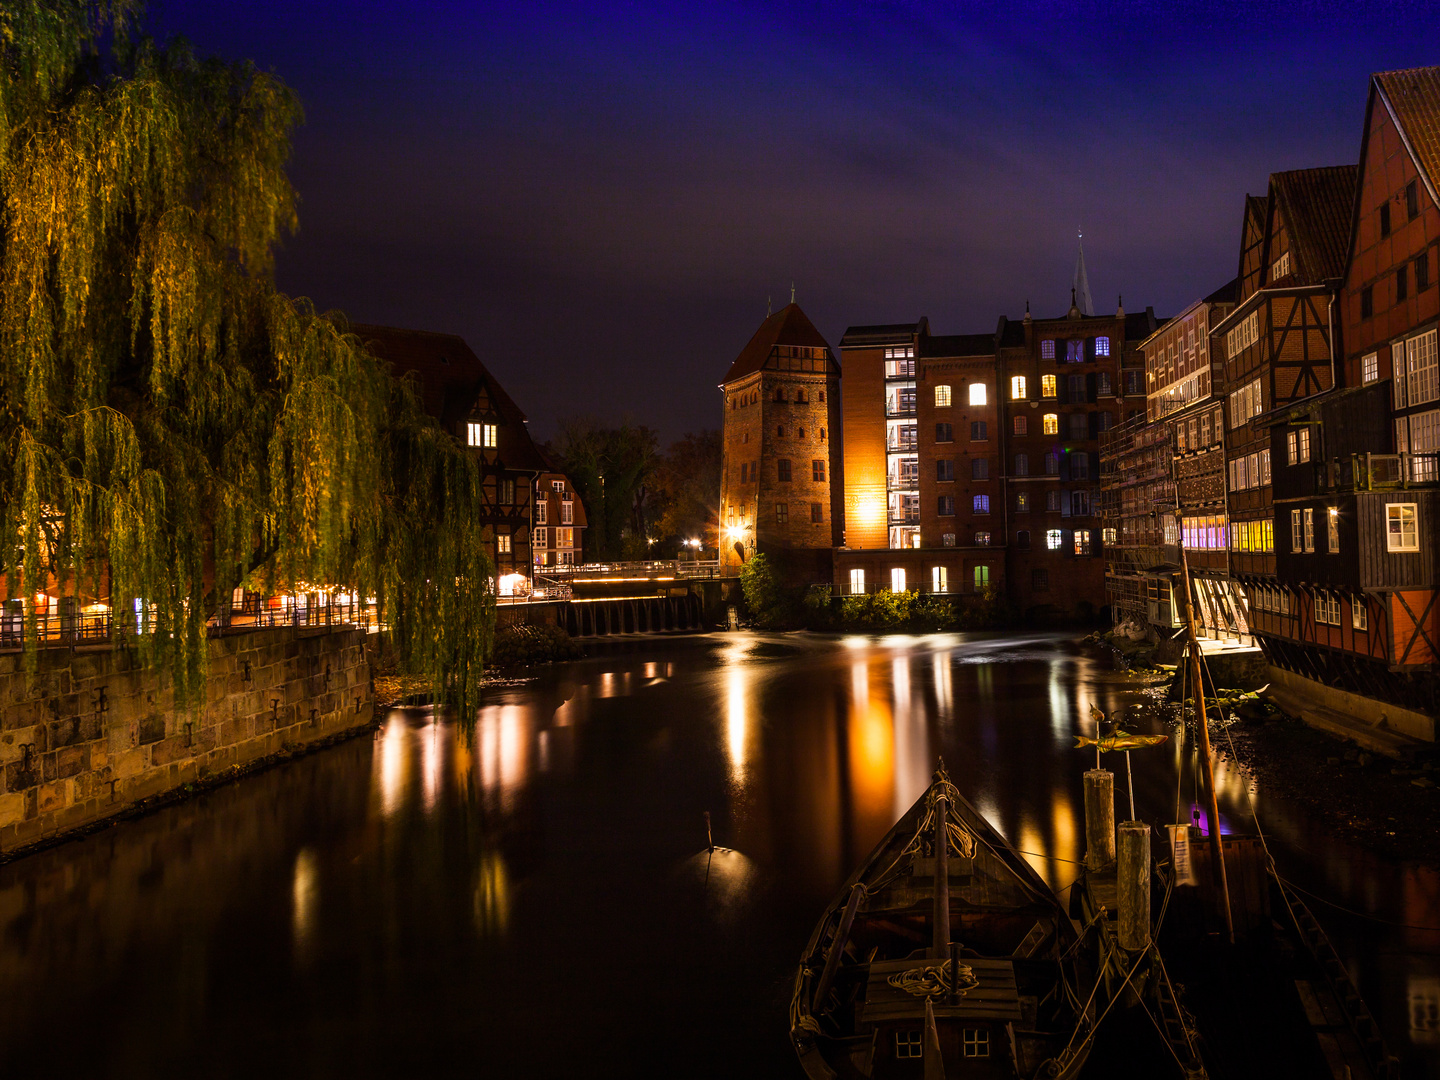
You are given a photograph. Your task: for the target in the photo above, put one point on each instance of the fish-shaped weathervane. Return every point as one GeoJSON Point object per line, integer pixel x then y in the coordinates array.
{"type": "Point", "coordinates": [1115, 740]}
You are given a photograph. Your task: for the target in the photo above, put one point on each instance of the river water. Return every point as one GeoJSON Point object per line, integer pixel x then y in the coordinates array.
{"type": "Point", "coordinates": [537, 900]}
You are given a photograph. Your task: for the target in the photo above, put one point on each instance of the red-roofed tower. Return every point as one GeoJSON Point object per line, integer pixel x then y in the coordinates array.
{"type": "Point", "coordinates": [778, 489]}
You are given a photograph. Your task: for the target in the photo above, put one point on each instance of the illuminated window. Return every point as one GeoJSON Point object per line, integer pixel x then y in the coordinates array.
{"type": "Point", "coordinates": [1017, 387]}
{"type": "Point", "coordinates": [897, 579]}
{"type": "Point", "coordinates": [1297, 445]}
{"type": "Point", "coordinates": [1047, 386]}
{"type": "Point", "coordinates": [541, 537]}
{"type": "Point", "coordinates": [857, 580]}
{"type": "Point", "coordinates": [982, 504]}
{"type": "Point", "coordinates": [1309, 529]}
{"type": "Point", "coordinates": [1047, 349]}
{"type": "Point", "coordinates": [977, 393]}
{"type": "Point", "coordinates": [1102, 346]}
{"type": "Point", "coordinates": [1021, 425]}
{"type": "Point", "coordinates": [1370, 367]}
{"type": "Point", "coordinates": [1108, 535]}
{"type": "Point", "coordinates": [1022, 503]}
{"type": "Point", "coordinates": [1082, 541]}
{"type": "Point", "coordinates": [502, 543]}
{"type": "Point", "coordinates": [564, 538]}
{"type": "Point", "coordinates": [488, 436]}
{"type": "Point", "coordinates": [1052, 423]}
{"type": "Point", "coordinates": [1297, 531]}
{"type": "Point", "coordinates": [1332, 530]}
{"type": "Point", "coordinates": [975, 1042]}
{"type": "Point", "coordinates": [1402, 531]}
{"type": "Point", "coordinates": [939, 579]}
{"type": "Point", "coordinates": [947, 540]}
{"type": "Point", "coordinates": [1359, 617]}
{"type": "Point", "coordinates": [942, 397]}
{"type": "Point", "coordinates": [982, 539]}
{"type": "Point", "coordinates": [472, 434]}
{"type": "Point", "coordinates": [982, 579]}
{"type": "Point", "coordinates": [1052, 539]}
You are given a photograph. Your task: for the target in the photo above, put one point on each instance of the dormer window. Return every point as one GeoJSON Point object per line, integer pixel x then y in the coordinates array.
{"type": "Point", "coordinates": [482, 435]}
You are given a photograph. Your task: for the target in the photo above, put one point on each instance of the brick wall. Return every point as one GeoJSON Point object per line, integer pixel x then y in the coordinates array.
{"type": "Point", "coordinates": [92, 733]}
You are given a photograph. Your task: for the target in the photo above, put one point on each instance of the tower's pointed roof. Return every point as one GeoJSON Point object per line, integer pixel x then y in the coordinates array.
{"type": "Point", "coordinates": [788, 326]}
{"type": "Point", "coordinates": [1082, 285]}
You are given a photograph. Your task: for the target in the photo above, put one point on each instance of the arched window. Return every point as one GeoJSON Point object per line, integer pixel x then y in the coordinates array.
{"type": "Point", "coordinates": [1017, 387]}
{"type": "Point", "coordinates": [1052, 423]}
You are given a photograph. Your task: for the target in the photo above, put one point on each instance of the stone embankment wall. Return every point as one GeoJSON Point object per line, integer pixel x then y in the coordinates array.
{"type": "Point", "coordinates": [90, 733]}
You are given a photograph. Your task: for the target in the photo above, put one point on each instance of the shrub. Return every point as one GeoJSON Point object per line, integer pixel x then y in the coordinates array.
{"type": "Point", "coordinates": [524, 646]}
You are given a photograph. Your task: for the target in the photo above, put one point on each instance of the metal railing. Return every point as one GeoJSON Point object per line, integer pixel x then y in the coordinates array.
{"type": "Point", "coordinates": [1380, 472]}
{"type": "Point", "coordinates": [307, 611]}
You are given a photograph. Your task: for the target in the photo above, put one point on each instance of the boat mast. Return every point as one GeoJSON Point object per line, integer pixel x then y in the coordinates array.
{"type": "Point", "coordinates": [1217, 853]}
{"type": "Point", "coordinates": [941, 943]}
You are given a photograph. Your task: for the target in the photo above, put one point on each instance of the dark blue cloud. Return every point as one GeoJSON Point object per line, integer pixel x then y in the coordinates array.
{"type": "Point", "coordinates": [600, 198]}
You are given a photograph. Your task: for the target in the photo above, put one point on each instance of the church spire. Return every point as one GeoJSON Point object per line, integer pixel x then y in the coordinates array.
{"type": "Point", "coordinates": [1082, 281]}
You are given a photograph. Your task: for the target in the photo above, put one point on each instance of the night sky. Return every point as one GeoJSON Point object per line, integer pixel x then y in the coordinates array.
{"type": "Point", "coordinates": [601, 199]}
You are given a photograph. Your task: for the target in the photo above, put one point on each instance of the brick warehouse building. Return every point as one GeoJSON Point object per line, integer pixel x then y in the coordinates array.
{"type": "Point", "coordinates": [973, 460]}
{"type": "Point", "coordinates": [778, 490]}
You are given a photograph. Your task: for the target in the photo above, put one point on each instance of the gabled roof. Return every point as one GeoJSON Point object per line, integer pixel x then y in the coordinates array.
{"type": "Point", "coordinates": [788, 326]}
{"type": "Point", "coordinates": [1225, 294]}
{"type": "Point", "coordinates": [1413, 99]}
{"type": "Point", "coordinates": [452, 379]}
{"type": "Point", "coordinates": [870, 337]}
{"type": "Point", "coordinates": [957, 345]}
{"type": "Point", "coordinates": [1316, 206]}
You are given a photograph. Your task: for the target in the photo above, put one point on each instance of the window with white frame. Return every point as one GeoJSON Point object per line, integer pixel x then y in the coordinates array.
{"type": "Point", "coordinates": [1017, 387]}
{"type": "Point", "coordinates": [1053, 539]}
{"type": "Point", "coordinates": [472, 434]}
{"type": "Point", "coordinates": [1264, 467]}
{"type": "Point", "coordinates": [1332, 529]}
{"type": "Point", "coordinates": [564, 538]}
{"type": "Point", "coordinates": [897, 579]}
{"type": "Point", "coordinates": [1297, 446]}
{"type": "Point", "coordinates": [1309, 517]}
{"type": "Point", "coordinates": [1280, 267]}
{"type": "Point", "coordinates": [1402, 528]}
{"type": "Point", "coordinates": [909, 1044]}
{"type": "Point", "coordinates": [488, 436]}
{"type": "Point", "coordinates": [857, 580]}
{"type": "Point", "coordinates": [541, 537]}
{"type": "Point", "coordinates": [502, 543]}
{"type": "Point", "coordinates": [567, 512]}
{"type": "Point", "coordinates": [977, 393]}
{"type": "Point", "coordinates": [1246, 402]}
{"type": "Point", "coordinates": [1243, 336]}
{"type": "Point", "coordinates": [1359, 616]}
{"type": "Point", "coordinates": [942, 397]}
{"type": "Point", "coordinates": [1370, 367]}
{"type": "Point", "coordinates": [542, 509]}
{"type": "Point", "coordinates": [1421, 369]}
{"type": "Point", "coordinates": [939, 579]}
{"type": "Point", "coordinates": [1297, 531]}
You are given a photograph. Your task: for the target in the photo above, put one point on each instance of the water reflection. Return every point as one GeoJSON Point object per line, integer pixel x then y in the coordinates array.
{"type": "Point", "coordinates": [426, 878]}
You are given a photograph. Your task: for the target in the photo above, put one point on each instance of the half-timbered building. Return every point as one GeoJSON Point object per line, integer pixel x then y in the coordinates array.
{"type": "Point", "coordinates": [458, 391]}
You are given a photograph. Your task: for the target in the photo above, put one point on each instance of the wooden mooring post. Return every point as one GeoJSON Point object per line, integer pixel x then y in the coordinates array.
{"type": "Point", "coordinates": [1099, 820]}
{"type": "Point", "coordinates": [1132, 881]}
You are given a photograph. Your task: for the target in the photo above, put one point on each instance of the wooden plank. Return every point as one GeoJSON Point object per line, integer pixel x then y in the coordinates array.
{"type": "Point", "coordinates": [997, 996]}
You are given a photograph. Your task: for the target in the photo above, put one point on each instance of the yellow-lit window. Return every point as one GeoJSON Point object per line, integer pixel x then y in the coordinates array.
{"type": "Point", "coordinates": [1047, 385]}
{"type": "Point", "coordinates": [1017, 387]}
{"type": "Point", "coordinates": [977, 393]}
{"type": "Point", "coordinates": [488, 435]}
{"type": "Point", "coordinates": [942, 397]}
{"type": "Point", "coordinates": [1052, 423]}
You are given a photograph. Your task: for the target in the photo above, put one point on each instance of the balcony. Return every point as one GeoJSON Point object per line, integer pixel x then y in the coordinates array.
{"type": "Point", "coordinates": [1379, 472]}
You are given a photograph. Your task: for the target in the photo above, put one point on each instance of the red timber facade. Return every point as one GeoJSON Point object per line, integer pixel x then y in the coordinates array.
{"type": "Point", "coordinates": [559, 519]}
{"type": "Point", "coordinates": [779, 493]}
{"type": "Point", "coordinates": [458, 390]}
{"type": "Point", "coordinates": [923, 472]}
{"type": "Point", "coordinates": [1356, 524]}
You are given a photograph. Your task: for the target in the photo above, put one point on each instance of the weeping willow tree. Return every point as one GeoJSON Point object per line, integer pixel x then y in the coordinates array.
{"type": "Point", "coordinates": [170, 425]}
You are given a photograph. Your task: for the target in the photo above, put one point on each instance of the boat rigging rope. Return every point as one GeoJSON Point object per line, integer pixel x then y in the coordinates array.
{"type": "Point", "coordinates": [932, 980]}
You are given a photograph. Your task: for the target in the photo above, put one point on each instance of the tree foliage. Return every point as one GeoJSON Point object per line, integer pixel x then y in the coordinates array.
{"type": "Point", "coordinates": [172, 426]}
{"type": "Point", "coordinates": [687, 490]}
{"type": "Point", "coordinates": [611, 469]}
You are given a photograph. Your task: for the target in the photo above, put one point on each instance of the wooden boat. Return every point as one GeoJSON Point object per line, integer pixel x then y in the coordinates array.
{"type": "Point", "coordinates": [874, 996]}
